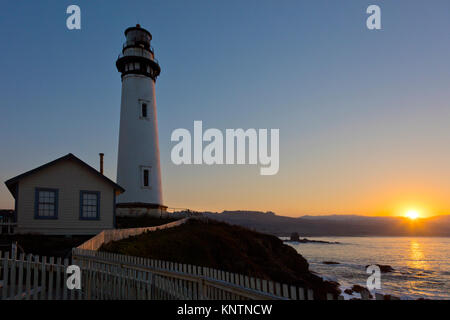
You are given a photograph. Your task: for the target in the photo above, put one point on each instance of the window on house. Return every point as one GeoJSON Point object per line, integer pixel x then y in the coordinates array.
{"type": "Point", "coordinates": [89, 205]}
{"type": "Point", "coordinates": [144, 110]}
{"type": "Point", "coordinates": [46, 203]}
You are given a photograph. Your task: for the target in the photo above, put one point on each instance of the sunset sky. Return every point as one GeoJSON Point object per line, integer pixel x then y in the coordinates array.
{"type": "Point", "coordinates": [364, 116]}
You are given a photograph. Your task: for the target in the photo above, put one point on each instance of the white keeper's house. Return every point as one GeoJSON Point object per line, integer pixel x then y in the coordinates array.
{"type": "Point", "coordinates": [64, 197]}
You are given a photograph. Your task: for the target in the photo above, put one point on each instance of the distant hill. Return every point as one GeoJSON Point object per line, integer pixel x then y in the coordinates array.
{"type": "Point", "coordinates": [335, 225]}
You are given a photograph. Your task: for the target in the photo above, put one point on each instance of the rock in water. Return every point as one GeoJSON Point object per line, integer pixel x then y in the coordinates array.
{"type": "Point", "coordinates": [348, 291]}
{"type": "Point", "coordinates": [295, 236]}
{"type": "Point", "coordinates": [330, 262]}
{"type": "Point", "coordinates": [364, 292]}
{"type": "Point", "coordinates": [384, 268]}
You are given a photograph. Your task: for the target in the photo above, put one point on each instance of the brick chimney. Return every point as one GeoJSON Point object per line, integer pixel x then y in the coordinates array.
{"type": "Point", "coordinates": [101, 162]}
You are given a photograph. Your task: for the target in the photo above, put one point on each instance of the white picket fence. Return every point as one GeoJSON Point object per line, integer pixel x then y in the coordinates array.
{"type": "Point", "coordinates": [115, 276]}
{"type": "Point", "coordinates": [33, 277]}
{"type": "Point", "coordinates": [107, 276]}
{"type": "Point", "coordinates": [110, 276]}
{"type": "Point", "coordinates": [107, 236]}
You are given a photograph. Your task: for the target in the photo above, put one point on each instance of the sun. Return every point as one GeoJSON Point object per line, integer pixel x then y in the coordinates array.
{"type": "Point", "coordinates": [412, 214]}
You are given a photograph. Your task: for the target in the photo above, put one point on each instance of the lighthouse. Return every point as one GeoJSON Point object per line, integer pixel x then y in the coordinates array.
{"type": "Point", "coordinates": [138, 166]}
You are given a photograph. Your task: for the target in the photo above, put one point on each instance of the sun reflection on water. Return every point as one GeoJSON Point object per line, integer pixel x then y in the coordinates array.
{"type": "Point", "coordinates": [417, 256]}
{"type": "Point", "coordinates": [416, 261]}
{"type": "Point", "coordinates": [421, 264]}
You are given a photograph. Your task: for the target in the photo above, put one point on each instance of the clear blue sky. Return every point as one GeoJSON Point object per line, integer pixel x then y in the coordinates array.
{"type": "Point", "coordinates": [363, 115]}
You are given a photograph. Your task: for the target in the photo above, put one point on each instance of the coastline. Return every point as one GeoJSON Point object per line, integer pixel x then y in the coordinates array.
{"type": "Point", "coordinates": [422, 272]}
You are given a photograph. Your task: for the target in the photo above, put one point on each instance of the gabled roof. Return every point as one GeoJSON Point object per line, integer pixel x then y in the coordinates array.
{"type": "Point", "coordinates": [11, 183]}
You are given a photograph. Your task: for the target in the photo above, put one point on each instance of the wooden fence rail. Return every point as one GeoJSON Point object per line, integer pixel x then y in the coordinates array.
{"type": "Point", "coordinates": [115, 276]}
{"type": "Point", "coordinates": [107, 236]}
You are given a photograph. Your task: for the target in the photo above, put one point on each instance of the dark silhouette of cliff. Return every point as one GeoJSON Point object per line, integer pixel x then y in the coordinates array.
{"type": "Point", "coordinates": [221, 246]}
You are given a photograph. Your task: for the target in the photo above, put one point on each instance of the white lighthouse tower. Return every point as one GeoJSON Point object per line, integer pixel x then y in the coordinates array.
{"type": "Point", "coordinates": [138, 167]}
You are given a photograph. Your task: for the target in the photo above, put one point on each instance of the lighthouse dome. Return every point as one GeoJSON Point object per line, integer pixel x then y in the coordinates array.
{"type": "Point", "coordinates": [137, 36]}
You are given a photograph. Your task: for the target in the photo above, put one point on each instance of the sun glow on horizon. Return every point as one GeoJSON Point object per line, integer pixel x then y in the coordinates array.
{"type": "Point", "coordinates": [412, 214]}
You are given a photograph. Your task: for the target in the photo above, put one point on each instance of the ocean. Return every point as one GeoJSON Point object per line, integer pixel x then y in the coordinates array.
{"type": "Point", "coordinates": [422, 264]}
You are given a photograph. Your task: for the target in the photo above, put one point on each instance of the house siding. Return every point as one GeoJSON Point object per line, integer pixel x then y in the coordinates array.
{"type": "Point", "coordinates": [69, 177]}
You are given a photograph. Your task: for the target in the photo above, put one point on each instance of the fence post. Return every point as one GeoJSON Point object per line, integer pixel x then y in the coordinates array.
{"type": "Point", "coordinates": [301, 294]}
{"type": "Point", "coordinates": [271, 287]}
{"type": "Point", "coordinates": [36, 277]}
{"type": "Point", "coordinates": [265, 288]}
{"type": "Point", "coordinates": [258, 284]}
{"type": "Point", "coordinates": [58, 278]}
{"type": "Point", "coordinates": [201, 290]}
{"type": "Point", "coordinates": [12, 291]}
{"type": "Point", "coordinates": [66, 264]}
{"type": "Point", "coordinates": [149, 286]}
{"type": "Point", "coordinates": [43, 277]}
{"type": "Point", "coordinates": [278, 289]}
{"type": "Point", "coordinates": [50, 278]}
{"type": "Point", "coordinates": [310, 294]}
{"type": "Point", "coordinates": [246, 282]}
{"type": "Point", "coordinates": [5, 275]}
{"type": "Point", "coordinates": [285, 291]}
{"type": "Point", "coordinates": [293, 293]}
{"type": "Point", "coordinates": [28, 277]}
{"type": "Point", "coordinates": [20, 283]}
{"type": "Point", "coordinates": [14, 250]}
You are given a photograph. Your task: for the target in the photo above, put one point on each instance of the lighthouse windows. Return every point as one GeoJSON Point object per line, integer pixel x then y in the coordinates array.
{"type": "Point", "coordinates": [146, 173]}
{"type": "Point", "coordinates": [145, 177]}
{"type": "Point", "coordinates": [144, 110]}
